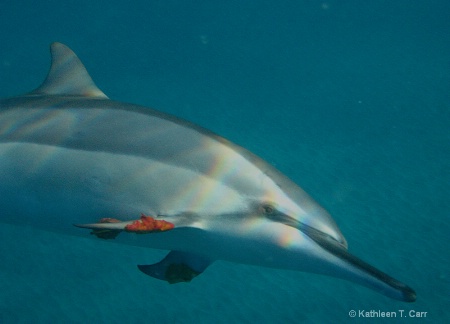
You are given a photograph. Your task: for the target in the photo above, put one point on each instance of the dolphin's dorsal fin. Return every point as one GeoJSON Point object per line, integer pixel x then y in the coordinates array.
{"type": "Point", "coordinates": [68, 76]}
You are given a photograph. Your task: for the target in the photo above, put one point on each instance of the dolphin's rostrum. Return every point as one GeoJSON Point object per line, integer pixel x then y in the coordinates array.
{"type": "Point", "coordinates": [70, 155]}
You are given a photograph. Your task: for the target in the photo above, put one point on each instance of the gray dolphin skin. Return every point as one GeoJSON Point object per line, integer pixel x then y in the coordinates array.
{"type": "Point", "coordinates": [71, 156]}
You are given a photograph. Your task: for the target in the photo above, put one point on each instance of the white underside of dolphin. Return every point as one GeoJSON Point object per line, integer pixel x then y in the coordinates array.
{"type": "Point", "coordinates": [70, 155]}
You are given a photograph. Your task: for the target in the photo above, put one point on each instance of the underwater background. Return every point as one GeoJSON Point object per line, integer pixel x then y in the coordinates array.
{"type": "Point", "coordinates": [350, 99]}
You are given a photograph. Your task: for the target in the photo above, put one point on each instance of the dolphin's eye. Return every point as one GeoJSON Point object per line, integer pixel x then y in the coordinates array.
{"type": "Point", "coordinates": [267, 209]}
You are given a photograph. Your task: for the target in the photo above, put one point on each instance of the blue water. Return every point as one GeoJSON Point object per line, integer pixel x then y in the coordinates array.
{"type": "Point", "coordinates": [350, 99]}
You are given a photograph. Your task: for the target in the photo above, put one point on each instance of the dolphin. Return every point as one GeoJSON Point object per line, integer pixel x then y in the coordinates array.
{"type": "Point", "coordinates": [71, 156]}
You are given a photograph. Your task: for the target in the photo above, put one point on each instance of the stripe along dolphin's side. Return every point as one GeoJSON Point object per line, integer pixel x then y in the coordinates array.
{"type": "Point", "coordinates": [69, 155]}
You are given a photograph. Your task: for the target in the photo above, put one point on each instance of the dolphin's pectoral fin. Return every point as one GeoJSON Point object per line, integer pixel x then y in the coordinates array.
{"type": "Point", "coordinates": [177, 267]}
{"type": "Point", "coordinates": [109, 228]}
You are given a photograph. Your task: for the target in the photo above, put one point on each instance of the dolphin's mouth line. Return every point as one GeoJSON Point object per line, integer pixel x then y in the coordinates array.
{"type": "Point", "coordinates": [336, 248]}
{"type": "Point", "coordinates": [312, 233]}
